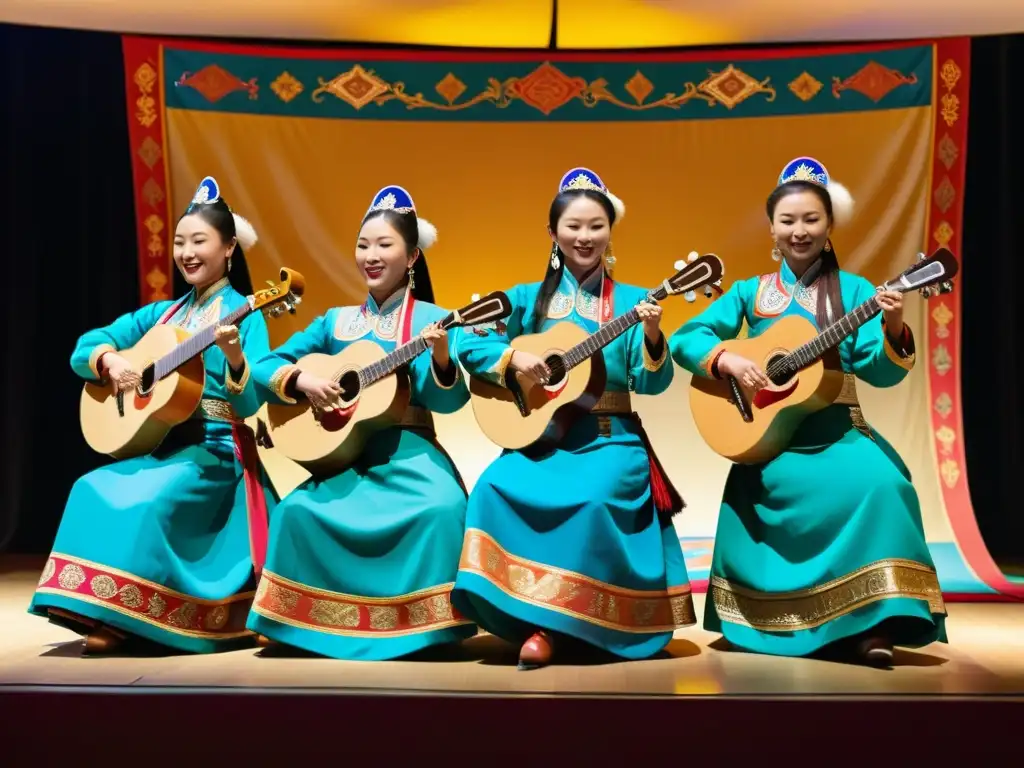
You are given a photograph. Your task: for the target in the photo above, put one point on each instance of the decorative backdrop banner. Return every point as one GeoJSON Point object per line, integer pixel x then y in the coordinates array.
{"type": "Point", "coordinates": [300, 140]}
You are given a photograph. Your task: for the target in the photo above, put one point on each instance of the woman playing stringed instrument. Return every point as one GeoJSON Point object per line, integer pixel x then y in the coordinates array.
{"type": "Point", "coordinates": [360, 564]}
{"type": "Point", "coordinates": [824, 544]}
{"type": "Point", "coordinates": [576, 543]}
{"type": "Point", "coordinates": [158, 546]}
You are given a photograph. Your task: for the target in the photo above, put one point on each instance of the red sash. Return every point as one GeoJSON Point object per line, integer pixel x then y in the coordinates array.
{"type": "Point", "coordinates": [248, 457]}
{"type": "Point", "coordinates": [667, 500]}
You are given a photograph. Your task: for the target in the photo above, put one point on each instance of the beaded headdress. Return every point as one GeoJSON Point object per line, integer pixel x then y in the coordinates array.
{"type": "Point", "coordinates": [809, 169]}
{"type": "Point", "coordinates": [393, 198]}
{"type": "Point", "coordinates": [208, 193]}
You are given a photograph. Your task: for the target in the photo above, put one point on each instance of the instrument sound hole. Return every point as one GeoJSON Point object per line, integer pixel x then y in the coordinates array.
{"type": "Point", "coordinates": [557, 366]}
{"type": "Point", "coordinates": [777, 370]}
{"type": "Point", "coordinates": [349, 383]}
{"type": "Point", "coordinates": [148, 379]}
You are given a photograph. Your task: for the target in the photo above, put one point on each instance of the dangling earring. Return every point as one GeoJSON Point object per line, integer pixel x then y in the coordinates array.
{"type": "Point", "coordinates": [555, 262]}
{"type": "Point", "coordinates": [776, 253]}
{"type": "Point", "coordinates": [229, 263]}
{"type": "Point", "coordinates": [828, 246]}
{"type": "Point", "coordinates": [412, 279]}
{"type": "Point", "coordinates": [609, 260]}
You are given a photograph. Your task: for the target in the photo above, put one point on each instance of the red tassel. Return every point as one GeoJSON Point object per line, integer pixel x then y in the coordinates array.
{"type": "Point", "coordinates": [255, 501]}
{"type": "Point", "coordinates": [667, 500]}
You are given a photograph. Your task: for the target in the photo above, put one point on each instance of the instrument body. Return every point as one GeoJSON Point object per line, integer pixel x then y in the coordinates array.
{"type": "Point", "coordinates": [526, 414]}
{"type": "Point", "coordinates": [169, 361]}
{"type": "Point", "coordinates": [754, 428]}
{"type": "Point", "coordinates": [375, 394]}
{"type": "Point", "coordinates": [322, 441]}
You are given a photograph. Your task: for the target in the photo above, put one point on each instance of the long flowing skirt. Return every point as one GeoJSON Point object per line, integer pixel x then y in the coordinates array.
{"type": "Point", "coordinates": [158, 546]}
{"type": "Point", "coordinates": [361, 565]}
{"type": "Point", "coordinates": [823, 543]}
{"type": "Point", "coordinates": [570, 541]}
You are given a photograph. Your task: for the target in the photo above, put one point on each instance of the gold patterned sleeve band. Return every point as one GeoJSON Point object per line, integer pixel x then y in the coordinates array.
{"type": "Point", "coordinates": [236, 387]}
{"type": "Point", "coordinates": [906, 357]}
{"type": "Point", "coordinates": [437, 379]}
{"type": "Point", "coordinates": [279, 382]}
{"type": "Point", "coordinates": [501, 367]}
{"type": "Point", "coordinates": [709, 360]}
{"type": "Point", "coordinates": [649, 362]}
{"type": "Point", "coordinates": [94, 358]}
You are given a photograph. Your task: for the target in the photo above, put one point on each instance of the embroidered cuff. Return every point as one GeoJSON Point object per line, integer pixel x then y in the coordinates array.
{"type": "Point", "coordinates": [94, 358]}
{"type": "Point", "coordinates": [236, 387]}
{"type": "Point", "coordinates": [501, 367]}
{"type": "Point", "coordinates": [904, 357]}
{"type": "Point", "coordinates": [661, 348]}
{"type": "Point", "coordinates": [279, 382]}
{"type": "Point", "coordinates": [448, 378]}
{"type": "Point", "coordinates": [708, 366]}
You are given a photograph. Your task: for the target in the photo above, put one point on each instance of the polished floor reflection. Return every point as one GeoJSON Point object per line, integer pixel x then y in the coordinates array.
{"type": "Point", "coordinates": [985, 656]}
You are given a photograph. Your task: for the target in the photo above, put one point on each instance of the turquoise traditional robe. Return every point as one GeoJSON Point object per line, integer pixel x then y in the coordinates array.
{"type": "Point", "coordinates": [570, 540]}
{"type": "Point", "coordinates": [360, 565]}
{"type": "Point", "coordinates": [158, 545]}
{"type": "Point", "coordinates": [824, 542]}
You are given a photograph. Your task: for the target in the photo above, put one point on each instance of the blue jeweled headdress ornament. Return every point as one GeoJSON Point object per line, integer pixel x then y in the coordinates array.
{"type": "Point", "coordinates": [584, 178]}
{"type": "Point", "coordinates": [809, 169]}
{"type": "Point", "coordinates": [208, 193]}
{"type": "Point", "coordinates": [398, 199]}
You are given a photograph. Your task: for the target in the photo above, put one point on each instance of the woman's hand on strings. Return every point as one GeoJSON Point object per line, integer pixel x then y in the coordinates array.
{"type": "Point", "coordinates": [745, 371]}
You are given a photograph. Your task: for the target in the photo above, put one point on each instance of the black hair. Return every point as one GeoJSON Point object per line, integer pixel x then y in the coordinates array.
{"type": "Point", "coordinates": [219, 216]}
{"type": "Point", "coordinates": [407, 227]}
{"type": "Point", "coordinates": [829, 291]}
{"type": "Point", "coordinates": [553, 275]}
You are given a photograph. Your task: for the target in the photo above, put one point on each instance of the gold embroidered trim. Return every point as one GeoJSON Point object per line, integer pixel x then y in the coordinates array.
{"type": "Point", "coordinates": [709, 359]}
{"type": "Point", "coordinates": [209, 292]}
{"type": "Point", "coordinates": [236, 387]}
{"type": "Point", "coordinates": [576, 595]}
{"type": "Point", "coordinates": [810, 608]}
{"type": "Point", "coordinates": [906, 363]}
{"type": "Point", "coordinates": [848, 394]}
{"type": "Point", "coordinates": [650, 363]}
{"type": "Point", "coordinates": [279, 380]}
{"type": "Point", "coordinates": [94, 358]}
{"type": "Point", "coordinates": [337, 613]}
{"type": "Point", "coordinates": [217, 410]}
{"type": "Point", "coordinates": [458, 374]}
{"type": "Point", "coordinates": [613, 402]}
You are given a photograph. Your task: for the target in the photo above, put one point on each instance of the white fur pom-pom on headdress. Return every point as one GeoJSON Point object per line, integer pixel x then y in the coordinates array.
{"type": "Point", "coordinates": [428, 233]}
{"type": "Point", "coordinates": [584, 178]}
{"type": "Point", "coordinates": [245, 233]}
{"type": "Point", "coordinates": [809, 169]}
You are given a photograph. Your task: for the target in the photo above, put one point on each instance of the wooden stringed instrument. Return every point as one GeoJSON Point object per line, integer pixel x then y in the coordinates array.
{"type": "Point", "coordinates": [529, 414]}
{"type": "Point", "coordinates": [173, 377]}
{"type": "Point", "coordinates": [754, 430]}
{"type": "Point", "coordinates": [374, 394]}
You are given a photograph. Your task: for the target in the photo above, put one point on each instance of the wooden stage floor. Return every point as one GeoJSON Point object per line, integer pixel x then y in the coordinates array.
{"type": "Point", "coordinates": [985, 657]}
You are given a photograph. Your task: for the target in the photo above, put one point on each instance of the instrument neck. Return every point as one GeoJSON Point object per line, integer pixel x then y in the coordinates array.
{"type": "Point", "coordinates": [196, 344]}
{"type": "Point", "coordinates": [833, 335]}
{"type": "Point", "coordinates": [602, 338]}
{"type": "Point", "coordinates": [391, 362]}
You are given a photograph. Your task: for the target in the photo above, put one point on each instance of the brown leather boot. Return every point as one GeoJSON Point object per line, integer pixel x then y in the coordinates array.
{"type": "Point", "coordinates": [71, 620]}
{"type": "Point", "coordinates": [537, 651]}
{"type": "Point", "coordinates": [103, 640]}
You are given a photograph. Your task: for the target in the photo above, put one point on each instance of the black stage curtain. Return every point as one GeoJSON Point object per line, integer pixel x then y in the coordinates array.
{"type": "Point", "coordinates": [993, 247]}
{"type": "Point", "coordinates": [70, 247]}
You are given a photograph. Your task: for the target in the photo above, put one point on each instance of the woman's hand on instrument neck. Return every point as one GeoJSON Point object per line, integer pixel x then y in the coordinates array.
{"type": "Point", "coordinates": [118, 372]}
{"type": "Point", "coordinates": [650, 315]}
{"type": "Point", "coordinates": [891, 303]}
{"type": "Point", "coordinates": [744, 371]}
{"type": "Point", "coordinates": [322, 393]}
{"type": "Point", "coordinates": [437, 338]}
{"type": "Point", "coordinates": [228, 340]}
{"type": "Point", "coordinates": [531, 366]}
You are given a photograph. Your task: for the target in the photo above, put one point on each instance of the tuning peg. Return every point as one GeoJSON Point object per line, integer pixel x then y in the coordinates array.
{"type": "Point", "coordinates": [690, 296]}
{"type": "Point", "coordinates": [692, 256]}
{"type": "Point", "coordinates": [708, 292]}
{"type": "Point", "coordinates": [926, 292]}
{"type": "Point", "coordinates": [947, 287]}
{"type": "Point", "coordinates": [475, 297]}
{"type": "Point", "coordinates": [921, 257]}
{"type": "Point", "coordinates": [679, 264]}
